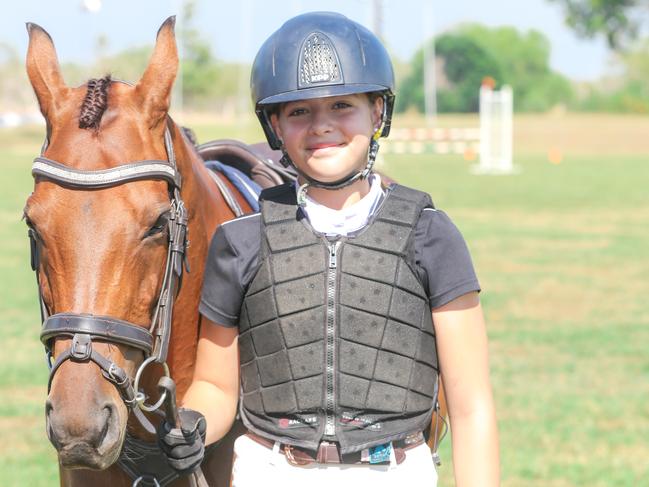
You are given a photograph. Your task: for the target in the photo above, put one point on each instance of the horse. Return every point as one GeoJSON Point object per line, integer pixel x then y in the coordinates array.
{"type": "Point", "coordinates": [119, 191]}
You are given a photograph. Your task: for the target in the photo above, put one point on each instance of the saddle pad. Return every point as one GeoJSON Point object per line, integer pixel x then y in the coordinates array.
{"type": "Point", "coordinates": [246, 186]}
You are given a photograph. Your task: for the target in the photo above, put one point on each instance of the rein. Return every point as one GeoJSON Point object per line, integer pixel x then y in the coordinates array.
{"type": "Point", "coordinates": [83, 327]}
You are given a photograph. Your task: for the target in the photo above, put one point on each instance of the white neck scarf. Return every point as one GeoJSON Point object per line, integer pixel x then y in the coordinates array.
{"type": "Point", "coordinates": [342, 222]}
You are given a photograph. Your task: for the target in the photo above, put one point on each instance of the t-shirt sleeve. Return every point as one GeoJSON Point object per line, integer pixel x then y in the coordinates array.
{"type": "Point", "coordinates": [229, 268]}
{"type": "Point", "coordinates": [443, 259]}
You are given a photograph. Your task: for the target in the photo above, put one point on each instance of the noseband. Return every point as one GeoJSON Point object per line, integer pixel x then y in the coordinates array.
{"type": "Point", "coordinates": [82, 327]}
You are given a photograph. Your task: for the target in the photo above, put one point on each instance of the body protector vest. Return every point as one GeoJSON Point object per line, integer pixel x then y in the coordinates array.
{"type": "Point", "coordinates": [336, 338]}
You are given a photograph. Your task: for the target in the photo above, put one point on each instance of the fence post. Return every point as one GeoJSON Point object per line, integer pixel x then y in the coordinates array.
{"type": "Point", "coordinates": [496, 131]}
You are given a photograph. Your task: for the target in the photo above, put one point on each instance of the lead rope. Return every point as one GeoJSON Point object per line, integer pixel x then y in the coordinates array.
{"type": "Point", "coordinates": [197, 479]}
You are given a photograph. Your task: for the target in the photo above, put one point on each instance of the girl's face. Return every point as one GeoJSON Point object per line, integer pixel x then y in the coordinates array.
{"type": "Point", "coordinates": [328, 138]}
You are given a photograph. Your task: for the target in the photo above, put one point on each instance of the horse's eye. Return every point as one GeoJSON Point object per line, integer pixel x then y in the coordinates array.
{"type": "Point", "coordinates": [32, 228]}
{"type": "Point", "coordinates": [159, 226]}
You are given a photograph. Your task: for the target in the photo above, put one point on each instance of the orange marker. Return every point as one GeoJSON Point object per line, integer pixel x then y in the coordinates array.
{"type": "Point", "coordinates": [555, 156]}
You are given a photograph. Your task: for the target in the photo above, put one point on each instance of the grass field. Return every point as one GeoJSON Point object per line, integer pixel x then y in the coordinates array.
{"type": "Point", "coordinates": [561, 252]}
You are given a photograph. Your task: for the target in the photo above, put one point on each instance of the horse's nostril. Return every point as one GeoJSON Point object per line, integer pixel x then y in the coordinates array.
{"type": "Point", "coordinates": [106, 416]}
{"type": "Point", "coordinates": [49, 428]}
{"type": "Point", "coordinates": [107, 410]}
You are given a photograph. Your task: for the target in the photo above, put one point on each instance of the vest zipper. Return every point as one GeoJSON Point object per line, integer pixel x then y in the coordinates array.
{"type": "Point", "coordinates": [330, 423]}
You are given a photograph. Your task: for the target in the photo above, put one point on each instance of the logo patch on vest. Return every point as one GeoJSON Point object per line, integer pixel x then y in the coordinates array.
{"type": "Point", "coordinates": [297, 421]}
{"type": "Point", "coordinates": [364, 422]}
{"type": "Point", "coordinates": [377, 454]}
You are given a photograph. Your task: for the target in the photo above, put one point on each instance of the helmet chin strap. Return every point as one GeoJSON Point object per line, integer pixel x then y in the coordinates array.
{"type": "Point", "coordinates": [340, 183]}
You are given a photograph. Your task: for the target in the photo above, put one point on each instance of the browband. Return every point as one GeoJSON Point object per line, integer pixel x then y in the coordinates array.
{"type": "Point", "coordinates": [105, 178]}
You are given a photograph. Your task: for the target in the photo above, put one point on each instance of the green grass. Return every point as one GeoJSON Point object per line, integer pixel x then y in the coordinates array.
{"type": "Point", "coordinates": [561, 253]}
{"type": "Point", "coordinates": [26, 457]}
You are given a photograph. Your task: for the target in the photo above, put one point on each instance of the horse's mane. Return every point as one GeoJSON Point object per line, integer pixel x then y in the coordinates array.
{"type": "Point", "coordinates": [95, 103]}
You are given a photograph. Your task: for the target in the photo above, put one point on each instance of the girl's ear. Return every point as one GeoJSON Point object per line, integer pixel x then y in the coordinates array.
{"type": "Point", "coordinates": [274, 122]}
{"type": "Point", "coordinates": [377, 112]}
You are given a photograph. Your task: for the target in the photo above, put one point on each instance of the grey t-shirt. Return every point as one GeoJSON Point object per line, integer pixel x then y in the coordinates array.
{"type": "Point", "coordinates": [441, 257]}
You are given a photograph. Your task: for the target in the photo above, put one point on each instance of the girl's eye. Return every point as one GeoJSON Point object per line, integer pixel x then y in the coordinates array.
{"type": "Point", "coordinates": [296, 112]}
{"type": "Point", "coordinates": [341, 104]}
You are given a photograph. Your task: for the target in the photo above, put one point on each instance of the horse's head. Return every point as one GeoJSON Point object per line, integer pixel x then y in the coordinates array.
{"type": "Point", "coordinates": [101, 248]}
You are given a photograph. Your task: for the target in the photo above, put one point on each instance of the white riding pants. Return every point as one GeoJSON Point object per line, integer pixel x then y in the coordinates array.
{"type": "Point", "coordinates": [257, 466]}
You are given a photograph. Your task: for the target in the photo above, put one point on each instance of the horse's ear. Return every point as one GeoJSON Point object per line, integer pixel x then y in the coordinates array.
{"type": "Point", "coordinates": [157, 81]}
{"type": "Point", "coordinates": [43, 70]}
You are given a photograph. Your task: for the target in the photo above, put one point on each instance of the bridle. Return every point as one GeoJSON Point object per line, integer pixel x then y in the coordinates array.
{"type": "Point", "coordinates": [83, 327]}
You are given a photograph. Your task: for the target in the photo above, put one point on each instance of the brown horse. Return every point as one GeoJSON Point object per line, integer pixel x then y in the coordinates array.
{"type": "Point", "coordinates": [101, 251]}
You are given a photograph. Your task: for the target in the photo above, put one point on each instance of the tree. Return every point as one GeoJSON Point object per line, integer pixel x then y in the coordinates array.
{"type": "Point", "coordinates": [628, 92]}
{"type": "Point", "coordinates": [524, 59]}
{"type": "Point", "coordinates": [618, 20]}
{"type": "Point", "coordinates": [472, 52]}
{"type": "Point", "coordinates": [15, 91]}
{"type": "Point", "coordinates": [198, 67]}
{"type": "Point", "coordinates": [464, 64]}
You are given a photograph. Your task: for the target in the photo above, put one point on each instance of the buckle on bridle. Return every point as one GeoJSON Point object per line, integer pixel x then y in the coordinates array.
{"type": "Point", "coordinates": [81, 347]}
{"type": "Point", "coordinates": [146, 478]}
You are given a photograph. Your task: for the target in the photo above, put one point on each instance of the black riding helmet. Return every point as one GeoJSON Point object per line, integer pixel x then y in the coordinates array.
{"type": "Point", "coordinates": [316, 55]}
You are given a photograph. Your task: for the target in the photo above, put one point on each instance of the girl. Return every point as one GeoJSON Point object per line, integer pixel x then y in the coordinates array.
{"type": "Point", "coordinates": [329, 314]}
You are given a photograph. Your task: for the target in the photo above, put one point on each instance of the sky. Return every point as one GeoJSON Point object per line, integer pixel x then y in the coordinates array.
{"type": "Point", "coordinates": [236, 28]}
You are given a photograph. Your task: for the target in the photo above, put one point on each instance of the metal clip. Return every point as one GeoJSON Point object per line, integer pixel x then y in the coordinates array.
{"type": "Point", "coordinates": [117, 375]}
{"type": "Point", "coordinates": [81, 347]}
{"type": "Point", "coordinates": [146, 478]}
{"type": "Point", "coordinates": [437, 459]}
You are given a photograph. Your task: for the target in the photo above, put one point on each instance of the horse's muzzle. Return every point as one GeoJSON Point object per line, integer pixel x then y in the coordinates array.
{"type": "Point", "coordinates": [89, 441]}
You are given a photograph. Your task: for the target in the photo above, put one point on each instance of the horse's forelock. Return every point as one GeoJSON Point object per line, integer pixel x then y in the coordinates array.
{"type": "Point", "coordinates": [95, 103]}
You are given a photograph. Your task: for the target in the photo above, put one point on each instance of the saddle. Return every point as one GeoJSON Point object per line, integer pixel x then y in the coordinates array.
{"type": "Point", "coordinates": [258, 161]}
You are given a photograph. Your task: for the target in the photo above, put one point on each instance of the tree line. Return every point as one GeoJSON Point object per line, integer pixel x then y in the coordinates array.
{"type": "Point", "coordinates": [465, 56]}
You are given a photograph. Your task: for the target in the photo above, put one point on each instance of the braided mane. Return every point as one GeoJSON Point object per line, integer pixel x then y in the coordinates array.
{"type": "Point", "coordinates": [95, 103]}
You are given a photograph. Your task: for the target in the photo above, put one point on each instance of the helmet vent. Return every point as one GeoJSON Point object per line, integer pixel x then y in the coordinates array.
{"type": "Point", "coordinates": [318, 64]}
